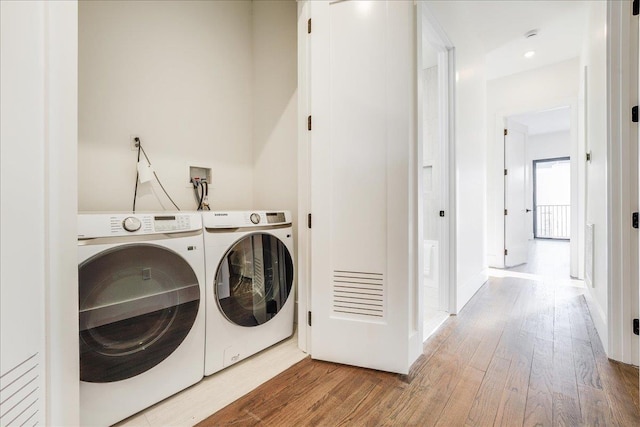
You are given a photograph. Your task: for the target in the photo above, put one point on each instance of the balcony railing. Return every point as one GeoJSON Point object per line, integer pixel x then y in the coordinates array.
{"type": "Point", "coordinates": [553, 221]}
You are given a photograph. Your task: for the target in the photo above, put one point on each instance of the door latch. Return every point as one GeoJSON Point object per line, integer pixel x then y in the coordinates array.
{"type": "Point", "coordinates": [634, 220]}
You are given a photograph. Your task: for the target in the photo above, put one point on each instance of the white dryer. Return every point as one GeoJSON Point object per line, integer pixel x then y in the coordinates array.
{"type": "Point", "coordinates": [142, 311]}
{"type": "Point", "coordinates": [250, 292]}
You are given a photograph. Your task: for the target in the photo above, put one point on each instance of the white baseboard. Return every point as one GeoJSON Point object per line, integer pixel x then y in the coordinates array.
{"type": "Point", "coordinates": [599, 319]}
{"type": "Point", "coordinates": [469, 288]}
{"type": "Point", "coordinates": [495, 261]}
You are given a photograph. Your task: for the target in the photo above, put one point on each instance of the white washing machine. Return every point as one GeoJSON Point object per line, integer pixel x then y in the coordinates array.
{"type": "Point", "coordinates": [249, 273]}
{"type": "Point", "coordinates": [142, 311]}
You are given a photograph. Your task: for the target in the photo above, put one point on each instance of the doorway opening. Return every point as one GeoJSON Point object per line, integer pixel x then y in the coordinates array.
{"type": "Point", "coordinates": [552, 199]}
{"type": "Point", "coordinates": [541, 187]}
{"type": "Point", "coordinates": [435, 80]}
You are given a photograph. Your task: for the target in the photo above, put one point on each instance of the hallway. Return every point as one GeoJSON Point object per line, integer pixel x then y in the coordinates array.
{"type": "Point", "coordinates": [522, 352]}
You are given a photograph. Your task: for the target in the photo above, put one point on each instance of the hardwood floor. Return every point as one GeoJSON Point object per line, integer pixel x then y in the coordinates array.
{"type": "Point", "coordinates": [520, 353]}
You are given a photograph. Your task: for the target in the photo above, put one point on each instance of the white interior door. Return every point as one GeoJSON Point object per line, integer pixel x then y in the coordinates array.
{"type": "Point", "coordinates": [363, 149]}
{"type": "Point", "coordinates": [516, 232]}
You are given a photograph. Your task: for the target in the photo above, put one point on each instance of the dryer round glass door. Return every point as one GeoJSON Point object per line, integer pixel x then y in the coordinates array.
{"type": "Point", "coordinates": [137, 304]}
{"type": "Point", "coordinates": [254, 280]}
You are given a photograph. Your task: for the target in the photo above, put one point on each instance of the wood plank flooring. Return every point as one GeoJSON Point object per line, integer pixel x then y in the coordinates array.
{"type": "Point", "coordinates": [520, 353]}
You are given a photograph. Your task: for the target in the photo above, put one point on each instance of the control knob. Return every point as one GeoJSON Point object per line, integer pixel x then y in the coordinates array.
{"type": "Point", "coordinates": [255, 218]}
{"type": "Point", "coordinates": [131, 224]}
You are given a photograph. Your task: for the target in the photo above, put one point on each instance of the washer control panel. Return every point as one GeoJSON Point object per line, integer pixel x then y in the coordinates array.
{"type": "Point", "coordinates": [130, 224]}
{"type": "Point", "coordinates": [171, 223]}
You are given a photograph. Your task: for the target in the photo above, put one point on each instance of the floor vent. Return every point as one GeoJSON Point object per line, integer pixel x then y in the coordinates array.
{"type": "Point", "coordinates": [359, 294]}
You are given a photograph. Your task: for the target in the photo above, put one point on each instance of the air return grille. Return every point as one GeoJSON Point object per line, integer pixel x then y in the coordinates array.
{"type": "Point", "coordinates": [20, 393]}
{"type": "Point", "coordinates": [358, 293]}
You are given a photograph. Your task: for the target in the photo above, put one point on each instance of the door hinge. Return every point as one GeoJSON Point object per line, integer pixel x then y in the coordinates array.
{"type": "Point", "coordinates": [634, 114]}
{"type": "Point", "coordinates": [506, 132]}
{"type": "Point", "coordinates": [442, 214]}
{"type": "Point", "coordinates": [634, 220]}
{"type": "Point", "coordinates": [636, 7]}
{"type": "Point", "coordinates": [309, 220]}
{"type": "Point", "coordinates": [309, 318]}
{"type": "Point", "coordinates": [506, 212]}
{"type": "Point", "coordinates": [506, 252]}
{"type": "Point", "coordinates": [505, 172]}
{"type": "Point", "coordinates": [309, 26]}
{"type": "Point", "coordinates": [636, 326]}
{"type": "Point", "coordinates": [309, 123]}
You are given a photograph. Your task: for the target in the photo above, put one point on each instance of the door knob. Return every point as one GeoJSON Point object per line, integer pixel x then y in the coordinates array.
{"type": "Point", "coordinates": [527, 210]}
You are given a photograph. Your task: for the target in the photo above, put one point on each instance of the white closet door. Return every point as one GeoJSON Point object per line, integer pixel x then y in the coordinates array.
{"type": "Point", "coordinates": [362, 64]}
{"type": "Point", "coordinates": [516, 229]}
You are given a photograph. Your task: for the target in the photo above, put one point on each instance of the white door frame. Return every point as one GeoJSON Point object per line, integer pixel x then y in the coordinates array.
{"type": "Point", "coordinates": [303, 279]}
{"type": "Point", "coordinates": [429, 31]}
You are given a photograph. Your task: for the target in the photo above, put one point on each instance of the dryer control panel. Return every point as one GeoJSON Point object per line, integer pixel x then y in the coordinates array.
{"type": "Point", "coordinates": [245, 219]}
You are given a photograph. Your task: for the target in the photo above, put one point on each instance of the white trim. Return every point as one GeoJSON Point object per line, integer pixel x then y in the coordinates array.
{"type": "Point", "coordinates": [469, 289]}
{"type": "Point", "coordinates": [61, 207]}
{"type": "Point", "coordinates": [598, 316]}
{"type": "Point", "coordinates": [417, 173]}
{"type": "Point", "coordinates": [304, 180]}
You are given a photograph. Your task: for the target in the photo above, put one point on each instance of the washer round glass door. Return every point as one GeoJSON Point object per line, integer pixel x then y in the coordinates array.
{"type": "Point", "coordinates": [254, 280]}
{"type": "Point", "coordinates": [137, 304]}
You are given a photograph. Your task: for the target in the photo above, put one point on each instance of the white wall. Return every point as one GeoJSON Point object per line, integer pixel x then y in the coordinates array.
{"type": "Point", "coordinates": [470, 152]}
{"type": "Point", "coordinates": [548, 146]}
{"type": "Point", "coordinates": [535, 90]}
{"type": "Point", "coordinates": [275, 105]}
{"type": "Point", "coordinates": [179, 75]}
{"type": "Point", "coordinates": [594, 59]}
{"type": "Point", "coordinates": [38, 285]}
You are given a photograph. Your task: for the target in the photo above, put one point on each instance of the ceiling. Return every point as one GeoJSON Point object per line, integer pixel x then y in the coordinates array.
{"type": "Point", "coordinates": [500, 26]}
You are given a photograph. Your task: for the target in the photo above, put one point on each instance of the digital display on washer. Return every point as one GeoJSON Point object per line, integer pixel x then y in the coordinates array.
{"type": "Point", "coordinates": [171, 222]}
{"type": "Point", "coordinates": [275, 217]}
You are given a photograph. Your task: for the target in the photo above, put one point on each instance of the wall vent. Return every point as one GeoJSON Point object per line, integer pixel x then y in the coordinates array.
{"type": "Point", "coordinates": [359, 294]}
{"type": "Point", "coordinates": [20, 393]}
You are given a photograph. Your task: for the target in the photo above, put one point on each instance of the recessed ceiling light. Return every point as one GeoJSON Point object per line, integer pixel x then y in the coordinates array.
{"type": "Point", "coordinates": [530, 54]}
